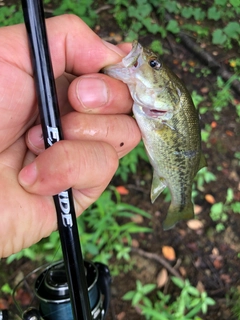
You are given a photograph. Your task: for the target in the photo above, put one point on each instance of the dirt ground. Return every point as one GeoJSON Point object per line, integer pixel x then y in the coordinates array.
{"type": "Point", "coordinates": [207, 258]}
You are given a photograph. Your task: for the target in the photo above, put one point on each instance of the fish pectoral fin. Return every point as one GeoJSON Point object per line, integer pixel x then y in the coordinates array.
{"type": "Point", "coordinates": [158, 185]}
{"type": "Point", "coordinates": [202, 162]}
{"type": "Point", "coordinates": [174, 215]}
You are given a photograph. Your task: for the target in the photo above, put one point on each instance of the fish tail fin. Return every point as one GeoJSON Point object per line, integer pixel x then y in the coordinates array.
{"type": "Point", "coordinates": [175, 214]}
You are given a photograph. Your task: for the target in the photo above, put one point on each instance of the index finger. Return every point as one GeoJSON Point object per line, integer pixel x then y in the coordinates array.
{"type": "Point", "coordinates": [74, 47]}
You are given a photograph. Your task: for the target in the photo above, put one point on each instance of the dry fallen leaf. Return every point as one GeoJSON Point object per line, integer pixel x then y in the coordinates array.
{"type": "Point", "coordinates": [194, 224]}
{"type": "Point", "coordinates": [135, 243]}
{"type": "Point", "coordinates": [137, 218]}
{"type": "Point", "coordinates": [215, 251]}
{"type": "Point", "coordinates": [210, 198]}
{"type": "Point", "coordinates": [200, 286]}
{"type": "Point", "coordinates": [229, 133]}
{"type": "Point", "coordinates": [226, 278]}
{"type": "Point", "coordinates": [162, 278]}
{"type": "Point", "coordinates": [183, 271]}
{"type": "Point", "coordinates": [169, 253]}
{"type": "Point", "coordinates": [204, 90]}
{"type": "Point", "coordinates": [218, 263]}
{"type": "Point", "coordinates": [121, 315]}
{"type": "Point", "coordinates": [122, 190]}
{"type": "Point", "coordinates": [197, 209]}
{"type": "Point", "coordinates": [24, 297]}
{"type": "Point", "coordinates": [213, 124]}
{"type": "Point", "coordinates": [3, 304]}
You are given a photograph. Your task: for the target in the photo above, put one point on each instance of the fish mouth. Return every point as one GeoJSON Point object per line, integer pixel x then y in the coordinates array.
{"type": "Point", "coordinates": [159, 112]}
{"type": "Point", "coordinates": [154, 113]}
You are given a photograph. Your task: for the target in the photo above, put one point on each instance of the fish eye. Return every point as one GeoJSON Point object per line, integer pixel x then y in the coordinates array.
{"type": "Point", "coordinates": [155, 64]}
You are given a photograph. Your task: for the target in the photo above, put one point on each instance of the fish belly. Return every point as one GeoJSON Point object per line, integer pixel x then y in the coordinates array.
{"type": "Point", "coordinates": [173, 167]}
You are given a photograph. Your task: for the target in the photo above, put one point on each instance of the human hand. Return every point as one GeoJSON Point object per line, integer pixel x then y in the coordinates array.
{"type": "Point", "coordinates": [95, 123]}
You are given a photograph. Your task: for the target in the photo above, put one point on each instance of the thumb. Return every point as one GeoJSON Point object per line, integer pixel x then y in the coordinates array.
{"type": "Point", "coordinates": [87, 167]}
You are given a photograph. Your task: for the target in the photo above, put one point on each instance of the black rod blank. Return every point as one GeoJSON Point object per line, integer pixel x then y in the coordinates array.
{"type": "Point", "coordinates": [52, 132]}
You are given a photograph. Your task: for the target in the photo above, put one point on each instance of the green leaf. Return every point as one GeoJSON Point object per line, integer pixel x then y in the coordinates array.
{"type": "Point", "coordinates": [146, 9]}
{"type": "Point", "coordinates": [172, 6]}
{"type": "Point", "coordinates": [129, 295]}
{"type": "Point", "coordinates": [198, 14]}
{"type": "Point", "coordinates": [195, 302]}
{"type": "Point", "coordinates": [178, 282]}
{"type": "Point", "coordinates": [230, 195]}
{"type": "Point", "coordinates": [217, 208]}
{"type": "Point", "coordinates": [6, 288]}
{"type": "Point", "coordinates": [204, 308]}
{"type": "Point", "coordinates": [157, 46]}
{"type": "Point", "coordinates": [221, 2]}
{"type": "Point", "coordinates": [193, 291]}
{"type": "Point", "coordinates": [187, 12]}
{"type": "Point", "coordinates": [232, 30]}
{"type": "Point", "coordinates": [235, 207]}
{"type": "Point", "coordinates": [155, 314]}
{"type": "Point", "coordinates": [148, 288]}
{"type": "Point", "coordinates": [150, 25]}
{"type": "Point", "coordinates": [218, 37]}
{"type": "Point", "coordinates": [137, 297]}
{"type": "Point", "coordinates": [172, 26]}
{"type": "Point", "coordinates": [220, 227]}
{"type": "Point", "coordinates": [235, 3]}
{"type": "Point", "coordinates": [210, 301]}
{"type": "Point", "coordinates": [214, 14]}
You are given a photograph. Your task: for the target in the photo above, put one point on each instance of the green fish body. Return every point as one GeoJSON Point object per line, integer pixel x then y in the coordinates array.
{"type": "Point", "coordinates": [169, 124]}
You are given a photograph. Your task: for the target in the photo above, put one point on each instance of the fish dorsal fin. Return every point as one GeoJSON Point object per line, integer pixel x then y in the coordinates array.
{"type": "Point", "coordinates": [158, 185]}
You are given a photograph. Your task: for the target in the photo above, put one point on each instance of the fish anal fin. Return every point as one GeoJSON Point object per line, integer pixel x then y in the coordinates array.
{"type": "Point", "coordinates": [158, 185]}
{"type": "Point", "coordinates": [174, 215]}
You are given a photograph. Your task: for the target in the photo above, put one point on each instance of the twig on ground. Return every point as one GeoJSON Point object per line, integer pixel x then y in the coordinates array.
{"type": "Point", "coordinates": [159, 259]}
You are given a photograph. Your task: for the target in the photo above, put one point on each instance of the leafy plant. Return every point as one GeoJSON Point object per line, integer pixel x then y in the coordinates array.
{"type": "Point", "coordinates": [233, 298]}
{"type": "Point", "coordinates": [226, 35]}
{"type": "Point", "coordinates": [48, 249]}
{"type": "Point", "coordinates": [220, 210]}
{"type": "Point", "coordinates": [106, 227]}
{"type": "Point", "coordinates": [140, 294]}
{"type": "Point", "coordinates": [83, 9]}
{"type": "Point", "coordinates": [128, 164]}
{"type": "Point", "coordinates": [10, 15]}
{"type": "Point", "coordinates": [188, 304]}
{"type": "Point", "coordinates": [6, 288]}
{"type": "Point", "coordinates": [204, 176]}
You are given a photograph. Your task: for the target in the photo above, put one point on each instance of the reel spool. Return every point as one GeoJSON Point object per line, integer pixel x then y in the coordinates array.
{"type": "Point", "coordinates": [52, 292]}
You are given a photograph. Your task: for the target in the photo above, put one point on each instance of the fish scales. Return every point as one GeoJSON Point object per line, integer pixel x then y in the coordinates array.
{"type": "Point", "coordinates": [169, 124]}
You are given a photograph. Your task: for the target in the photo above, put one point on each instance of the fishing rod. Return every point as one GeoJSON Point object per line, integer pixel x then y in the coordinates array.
{"type": "Point", "coordinates": [68, 280]}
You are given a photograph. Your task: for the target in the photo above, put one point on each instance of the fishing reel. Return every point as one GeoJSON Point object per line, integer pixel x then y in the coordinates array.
{"type": "Point", "coordinates": [51, 299]}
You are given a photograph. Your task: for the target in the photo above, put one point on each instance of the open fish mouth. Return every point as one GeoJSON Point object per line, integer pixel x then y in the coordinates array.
{"type": "Point", "coordinates": [159, 112]}
{"type": "Point", "coordinates": [154, 113]}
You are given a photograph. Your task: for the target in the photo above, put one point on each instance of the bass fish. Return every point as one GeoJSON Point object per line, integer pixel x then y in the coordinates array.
{"type": "Point", "coordinates": [169, 124]}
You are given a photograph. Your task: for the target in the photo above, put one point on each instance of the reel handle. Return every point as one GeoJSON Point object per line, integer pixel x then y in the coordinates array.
{"type": "Point", "coordinates": [31, 314]}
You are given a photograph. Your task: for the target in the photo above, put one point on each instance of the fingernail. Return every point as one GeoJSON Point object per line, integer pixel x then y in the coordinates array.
{"type": "Point", "coordinates": [35, 138]}
{"type": "Point", "coordinates": [114, 48]}
{"type": "Point", "coordinates": [28, 175]}
{"type": "Point", "coordinates": [92, 92]}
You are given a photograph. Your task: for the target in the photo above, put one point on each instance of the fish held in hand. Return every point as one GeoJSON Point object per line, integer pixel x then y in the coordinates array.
{"type": "Point", "coordinates": [169, 124]}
